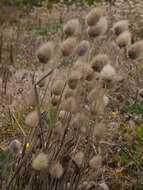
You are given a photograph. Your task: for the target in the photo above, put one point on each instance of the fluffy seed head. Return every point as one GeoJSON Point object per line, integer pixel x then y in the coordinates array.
{"type": "Point", "coordinates": [69, 105]}
{"type": "Point", "coordinates": [99, 62]}
{"type": "Point", "coordinates": [99, 130]}
{"type": "Point", "coordinates": [40, 162]}
{"type": "Point", "coordinates": [55, 100]}
{"type": "Point", "coordinates": [32, 119]}
{"type": "Point", "coordinates": [15, 146]}
{"type": "Point", "coordinates": [68, 46]}
{"type": "Point", "coordinates": [56, 170]}
{"type": "Point", "coordinates": [44, 53]}
{"type": "Point", "coordinates": [141, 93]}
{"type": "Point", "coordinates": [83, 130]}
{"type": "Point", "coordinates": [78, 121]}
{"type": "Point", "coordinates": [83, 48]}
{"type": "Point", "coordinates": [87, 73]}
{"type": "Point", "coordinates": [95, 162]}
{"type": "Point", "coordinates": [136, 50]}
{"type": "Point", "coordinates": [124, 39]}
{"type": "Point", "coordinates": [72, 27]}
{"type": "Point", "coordinates": [99, 29]}
{"type": "Point", "coordinates": [120, 26]}
{"type": "Point", "coordinates": [93, 16]}
{"type": "Point", "coordinates": [74, 79]}
{"type": "Point", "coordinates": [108, 73]}
{"type": "Point", "coordinates": [78, 158]}
{"type": "Point", "coordinates": [69, 93]}
{"type": "Point", "coordinates": [104, 186]}
{"type": "Point", "coordinates": [58, 87]}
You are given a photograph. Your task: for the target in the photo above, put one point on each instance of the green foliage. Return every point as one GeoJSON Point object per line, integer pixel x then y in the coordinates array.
{"type": "Point", "coordinates": [26, 2]}
{"type": "Point", "coordinates": [132, 141]}
{"type": "Point", "coordinates": [6, 158]}
{"type": "Point", "coordinates": [23, 2]}
{"type": "Point", "coordinates": [78, 2]}
{"type": "Point", "coordinates": [48, 29]}
{"type": "Point", "coordinates": [133, 137]}
{"type": "Point", "coordinates": [50, 3]}
{"type": "Point", "coordinates": [136, 108]}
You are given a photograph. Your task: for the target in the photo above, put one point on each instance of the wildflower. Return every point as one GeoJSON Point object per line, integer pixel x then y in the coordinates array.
{"type": "Point", "coordinates": [1, 147]}
{"type": "Point", "coordinates": [27, 145]}
{"type": "Point", "coordinates": [113, 113]}
{"type": "Point", "coordinates": [40, 162]}
{"type": "Point", "coordinates": [118, 172]}
{"type": "Point", "coordinates": [93, 16]}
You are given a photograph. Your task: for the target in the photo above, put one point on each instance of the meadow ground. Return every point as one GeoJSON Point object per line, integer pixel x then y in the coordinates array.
{"type": "Point", "coordinates": [89, 119]}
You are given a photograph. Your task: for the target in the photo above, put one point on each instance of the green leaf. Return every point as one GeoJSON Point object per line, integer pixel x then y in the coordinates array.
{"type": "Point", "coordinates": [124, 157]}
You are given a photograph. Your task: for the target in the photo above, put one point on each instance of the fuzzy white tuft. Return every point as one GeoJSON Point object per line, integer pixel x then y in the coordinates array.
{"type": "Point", "coordinates": [136, 50]}
{"type": "Point", "coordinates": [108, 72]}
{"type": "Point", "coordinates": [93, 16]}
{"type": "Point", "coordinates": [40, 162]}
{"type": "Point", "coordinates": [120, 26]}
{"type": "Point", "coordinates": [15, 146]}
{"type": "Point", "coordinates": [99, 29]}
{"type": "Point", "coordinates": [124, 39]}
{"type": "Point", "coordinates": [72, 27]}
{"type": "Point", "coordinates": [95, 162]}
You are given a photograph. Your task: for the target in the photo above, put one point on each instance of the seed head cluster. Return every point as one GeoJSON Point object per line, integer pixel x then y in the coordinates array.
{"type": "Point", "coordinates": [67, 118]}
